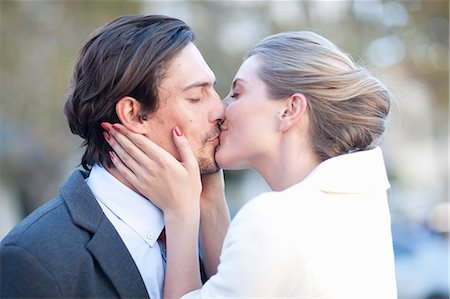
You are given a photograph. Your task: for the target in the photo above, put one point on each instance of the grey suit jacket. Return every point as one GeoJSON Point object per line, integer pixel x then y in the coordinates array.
{"type": "Point", "coordinates": [68, 248]}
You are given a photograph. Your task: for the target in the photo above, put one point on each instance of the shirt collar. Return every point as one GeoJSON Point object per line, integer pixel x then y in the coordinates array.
{"type": "Point", "coordinates": [356, 172]}
{"type": "Point", "coordinates": [139, 213]}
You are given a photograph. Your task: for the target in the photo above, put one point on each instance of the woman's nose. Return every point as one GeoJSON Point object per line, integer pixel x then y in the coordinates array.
{"type": "Point", "coordinates": [226, 102]}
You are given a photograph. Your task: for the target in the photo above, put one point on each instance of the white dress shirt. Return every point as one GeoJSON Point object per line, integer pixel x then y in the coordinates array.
{"type": "Point", "coordinates": [138, 222]}
{"type": "Point", "coordinates": [328, 236]}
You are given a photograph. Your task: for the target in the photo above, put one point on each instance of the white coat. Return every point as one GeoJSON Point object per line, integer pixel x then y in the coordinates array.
{"type": "Point", "coordinates": [328, 236]}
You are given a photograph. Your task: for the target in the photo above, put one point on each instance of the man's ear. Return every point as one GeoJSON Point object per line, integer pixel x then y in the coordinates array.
{"type": "Point", "coordinates": [291, 112]}
{"type": "Point", "coordinates": [129, 112]}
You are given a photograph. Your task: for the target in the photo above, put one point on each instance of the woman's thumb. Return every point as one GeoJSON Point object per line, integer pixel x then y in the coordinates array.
{"type": "Point", "coordinates": [183, 147]}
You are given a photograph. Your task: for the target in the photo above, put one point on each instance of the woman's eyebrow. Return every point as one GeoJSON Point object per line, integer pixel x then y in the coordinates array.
{"type": "Point", "coordinates": [237, 80]}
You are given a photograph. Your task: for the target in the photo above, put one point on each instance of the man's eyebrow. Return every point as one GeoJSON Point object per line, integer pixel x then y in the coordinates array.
{"type": "Point", "coordinates": [199, 84]}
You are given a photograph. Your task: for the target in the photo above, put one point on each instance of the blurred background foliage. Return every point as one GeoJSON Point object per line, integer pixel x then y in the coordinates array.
{"type": "Point", "coordinates": [405, 43]}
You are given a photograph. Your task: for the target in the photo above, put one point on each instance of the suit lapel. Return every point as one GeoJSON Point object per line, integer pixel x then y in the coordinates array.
{"type": "Point", "coordinates": [106, 246]}
{"type": "Point", "coordinates": [110, 252]}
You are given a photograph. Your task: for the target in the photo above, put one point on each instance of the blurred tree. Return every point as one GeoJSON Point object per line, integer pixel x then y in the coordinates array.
{"type": "Point", "coordinates": [39, 41]}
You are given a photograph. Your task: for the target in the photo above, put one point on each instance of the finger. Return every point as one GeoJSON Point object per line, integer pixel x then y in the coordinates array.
{"type": "Point", "coordinates": [123, 153]}
{"type": "Point", "coordinates": [129, 175]}
{"type": "Point", "coordinates": [131, 142]}
{"type": "Point", "coordinates": [135, 145]}
{"type": "Point", "coordinates": [183, 147]}
{"type": "Point", "coordinates": [124, 136]}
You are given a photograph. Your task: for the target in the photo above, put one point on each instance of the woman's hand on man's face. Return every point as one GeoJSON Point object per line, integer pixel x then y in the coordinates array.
{"type": "Point", "coordinates": [174, 186]}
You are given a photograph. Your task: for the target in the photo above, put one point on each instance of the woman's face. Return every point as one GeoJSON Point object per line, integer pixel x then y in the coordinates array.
{"type": "Point", "coordinates": [249, 132]}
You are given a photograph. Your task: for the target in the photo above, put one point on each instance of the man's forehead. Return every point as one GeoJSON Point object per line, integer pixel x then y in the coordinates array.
{"type": "Point", "coordinates": [197, 78]}
{"type": "Point", "coordinates": [188, 70]}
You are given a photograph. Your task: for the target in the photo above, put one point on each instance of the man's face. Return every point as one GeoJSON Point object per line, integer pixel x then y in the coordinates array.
{"type": "Point", "coordinates": [187, 99]}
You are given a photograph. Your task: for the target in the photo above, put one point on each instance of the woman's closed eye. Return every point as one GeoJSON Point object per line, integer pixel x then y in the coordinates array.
{"type": "Point", "coordinates": [234, 95]}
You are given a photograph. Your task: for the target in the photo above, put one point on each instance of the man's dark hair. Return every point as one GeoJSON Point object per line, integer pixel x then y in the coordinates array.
{"type": "Point", "coordinates": [126, 57]}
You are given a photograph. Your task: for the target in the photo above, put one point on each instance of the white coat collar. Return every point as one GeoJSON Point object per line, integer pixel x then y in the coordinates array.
{"type": "Point", "coordinates": [356, 172]}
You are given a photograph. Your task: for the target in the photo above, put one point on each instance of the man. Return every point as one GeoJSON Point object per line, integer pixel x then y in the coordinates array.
{"type": "Point", "coordinates": [99, 237]}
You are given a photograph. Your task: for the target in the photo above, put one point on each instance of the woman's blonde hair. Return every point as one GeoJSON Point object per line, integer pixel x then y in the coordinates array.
{"type": "Point", "coordinates": [347, 105]}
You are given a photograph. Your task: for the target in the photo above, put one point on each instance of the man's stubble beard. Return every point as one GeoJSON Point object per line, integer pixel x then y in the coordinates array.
{"type": "Point", "coordinates": [206, 157]}
{"type": "Point", "coordinates": [207, 165]}
{"type": "Point", "coordinates": [206, 161]}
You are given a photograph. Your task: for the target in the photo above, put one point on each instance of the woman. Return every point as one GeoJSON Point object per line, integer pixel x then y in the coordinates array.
{"type": "Point", "coordinates": [302, 114]}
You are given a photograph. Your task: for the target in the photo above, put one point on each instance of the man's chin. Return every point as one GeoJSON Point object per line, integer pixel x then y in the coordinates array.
{"type": "Point", "coordinates": [207, 166]}
{"type": "Point", "coordinates": [206, 160]}
{"type": "Point", "coordinates": [209, 169]}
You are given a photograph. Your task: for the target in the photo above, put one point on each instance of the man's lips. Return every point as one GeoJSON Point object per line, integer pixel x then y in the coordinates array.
{"type": "Point", "coordinates": [214, 138]}
{"type": "Point", "coordinates": [223, 131]}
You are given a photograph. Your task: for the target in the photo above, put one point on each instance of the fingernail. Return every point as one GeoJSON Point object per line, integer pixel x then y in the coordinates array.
{"type": "Point", "coordinates": [105, 126]}
{"type": "Point", "coordinates": [107, 137]}
{"type": "Point", "coordinates": [178, 131]}
{"type": "Point", "coordinates": [116, 127]}
{"type": "Point", "coordinates": [111, 155]}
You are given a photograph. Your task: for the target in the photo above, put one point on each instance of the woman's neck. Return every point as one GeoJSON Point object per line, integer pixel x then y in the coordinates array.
{"type": "Point", "coordinates": [289, 166]}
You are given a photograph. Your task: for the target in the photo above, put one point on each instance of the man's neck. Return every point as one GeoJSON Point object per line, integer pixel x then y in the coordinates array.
{"type": "Point", "coordinates": [116, 173]}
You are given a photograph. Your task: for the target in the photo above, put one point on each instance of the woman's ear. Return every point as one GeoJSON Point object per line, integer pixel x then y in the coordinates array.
{"type": "Point", "coordinates": [129, 112]}
{"type": "Point", "coordinates": [294, 107]}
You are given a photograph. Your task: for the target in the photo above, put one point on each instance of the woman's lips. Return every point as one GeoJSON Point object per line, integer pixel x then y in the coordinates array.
{"type": "Point", "coordinates": [223, 130]}
{"type": "Point", "coordinates": [222, 133]}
